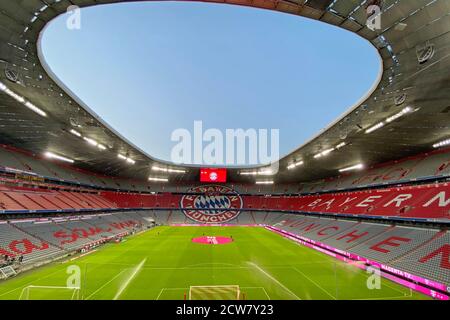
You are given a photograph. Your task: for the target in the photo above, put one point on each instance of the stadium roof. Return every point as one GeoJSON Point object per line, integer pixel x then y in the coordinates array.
{"type": "Point", "coordinates": [405, 114]}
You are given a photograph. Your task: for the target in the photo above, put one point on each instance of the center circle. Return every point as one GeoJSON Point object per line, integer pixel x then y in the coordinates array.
{"type": "Point", "coordinates": [212, 240]}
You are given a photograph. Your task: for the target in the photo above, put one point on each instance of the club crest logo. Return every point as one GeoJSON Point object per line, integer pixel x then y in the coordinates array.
{"type": "Point", "coordinates": [211, 204]}
{"type": "Point", "coordinates": [213, 176]}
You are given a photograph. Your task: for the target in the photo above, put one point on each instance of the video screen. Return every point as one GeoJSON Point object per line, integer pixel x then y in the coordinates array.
{"type": "Point", "coordinates": [213, 175]}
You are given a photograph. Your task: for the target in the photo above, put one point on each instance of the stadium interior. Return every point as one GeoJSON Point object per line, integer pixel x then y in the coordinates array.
{"type": "Point", "coordinates": [373, 187]}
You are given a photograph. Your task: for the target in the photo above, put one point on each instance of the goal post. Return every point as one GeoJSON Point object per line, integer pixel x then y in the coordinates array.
{"type": "Point", "coordinates": [229, 292]}
{"type": "Point", "coordinates": [7, 272]}
{"type": "Point", "coordinates": [50, 293]}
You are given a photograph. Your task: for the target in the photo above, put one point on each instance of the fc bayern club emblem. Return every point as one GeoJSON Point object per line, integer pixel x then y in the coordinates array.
{"type": "Point", "coordinates": [211, 204]}
{"type": "Point", "coordinates": [213, 176]}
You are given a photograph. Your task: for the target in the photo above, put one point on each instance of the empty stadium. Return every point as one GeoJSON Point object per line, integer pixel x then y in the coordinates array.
{"type": "Point", "coordinates": [111, 222]}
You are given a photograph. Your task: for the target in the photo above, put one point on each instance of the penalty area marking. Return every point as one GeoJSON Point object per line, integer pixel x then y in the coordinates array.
{"type": "Point", "coordinates": [274, 280]}
{"type": "Point", "coordinates": [103, 286]}
{"type": "Point", "coordinates": [187, 289]}
{"type": "Point", "coordinates": [30, 282]}
{"type": "Point", "coordinates": [263, 289]}
{"type": "Point", "coordinates": [170, 289]}
{"type": "Point", "coordinates": [315, 283]}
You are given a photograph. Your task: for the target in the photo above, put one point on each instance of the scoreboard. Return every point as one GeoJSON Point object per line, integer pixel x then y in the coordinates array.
{"type": "Point", "coordinates": [213, 175]}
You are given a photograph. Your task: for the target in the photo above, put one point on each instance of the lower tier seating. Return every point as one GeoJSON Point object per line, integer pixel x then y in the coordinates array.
{"type": "Point", "coordinates": [15, 243]}
{"type": "Point", "coordinates": [430, 260]}
{"type": "Point", "coordinates": [41, 239]}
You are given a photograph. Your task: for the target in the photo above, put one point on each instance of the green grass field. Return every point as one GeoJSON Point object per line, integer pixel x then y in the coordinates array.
{"type": "Point", "coordinates": [163, 263]}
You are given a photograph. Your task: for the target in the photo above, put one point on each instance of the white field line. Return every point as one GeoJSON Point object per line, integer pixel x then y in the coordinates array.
{"type": "Point", "coordinates": [168, 289]}
{"type": "Point", "coordinates": [261, 288]}
{"type": "Point", "coordinates": [159, 295]}
{"type": "Point", "coordinates": [213, 264]}
{"type": "Point", "coordinates": [129, 265]}
{"type": "Point", "coordinates": [268, 297]}
{"type": "Point", "coordinates": [313, 282]}
{"type": "Point", "coordinates": [188, 268]}
{"type": "Point", "coordinates": [236, 267]}
{"type": "Point", "coordinates": [275, 280]}
{"type": "Point", "coordinates": [386, 298]}
{"type": "Point", "coordinates": [393, 288]}
{"type": "Point", "coordinates": [385, 281]}
{"type": "Point", "coordinates": [338, 263]}
{"type": "Point", "coordinates": [80, 256]}
{"type": "Point", "coordinates": [30, 282]}
{"type": "Point", "coordinates": [130, 278]}
{"type": "Point", "coordinates": [111, 280]}
{"type": "Point", "coordinates": [38, 279]}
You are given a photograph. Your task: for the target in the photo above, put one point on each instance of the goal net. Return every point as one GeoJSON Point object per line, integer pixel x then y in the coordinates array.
{"type": "Point", "coordinates": [50, 293]}
{"type": "Point", "coordinates": [7, 272]}
{"type": "Point", "coordinates": [214, 293]}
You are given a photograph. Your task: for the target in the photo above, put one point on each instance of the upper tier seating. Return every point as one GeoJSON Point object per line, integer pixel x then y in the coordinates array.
{"type": "Point", "coordinates": [41, 199]}
{"type": "Point", "coordinates": [423, 201]}
{"type": "Point", "coordinates": [430, 201]}
{"type": "Point", "coordinates": [423, 166]}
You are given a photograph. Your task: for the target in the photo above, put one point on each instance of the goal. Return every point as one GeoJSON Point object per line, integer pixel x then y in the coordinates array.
{"type": "Point", "coordinates": [7, 272]}
{"type": "Point", "coordinates": [50, 293]}
{"type": "Point", "coordinates": [214, 292]}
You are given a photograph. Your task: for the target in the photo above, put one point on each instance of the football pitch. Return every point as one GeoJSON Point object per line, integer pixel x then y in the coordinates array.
{"type": "Point", "coordinates": [164, 263]}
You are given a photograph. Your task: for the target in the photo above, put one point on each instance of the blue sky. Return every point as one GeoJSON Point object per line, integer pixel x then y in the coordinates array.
{"type": "Point", "coordinates": [150, 68]}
